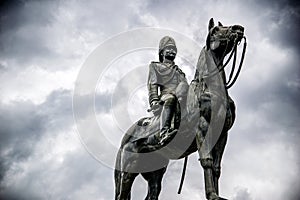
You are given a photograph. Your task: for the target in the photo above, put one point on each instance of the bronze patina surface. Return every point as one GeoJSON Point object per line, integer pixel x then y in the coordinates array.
{"type": "Point", "coordinates": [199, 114]}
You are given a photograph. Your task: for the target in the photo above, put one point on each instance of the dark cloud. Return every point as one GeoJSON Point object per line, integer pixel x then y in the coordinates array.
{"type": "Point", "coordinates": [20, 123]}
{"type": "Point", "coordinates": [288, 26]}
{"type": "Point", "coordinates": [58, 109]}
{"type": "Point", "coordinates": [14, 14]}
{"type": "Point", "coordinates": [278, 3]}
{"type": "Point", "coordinates": [13, 195]}
{"type": "Point", "coordinates": [278, 20]}
{"type": "Point", "coordinates": [45, 33]}
{"type": "Point", "coordinates": [23, 30]}
{"type": "Point", "coordinates": [23, 124]}
{"type": "Point", "coordinates": [282, 22]}
{"type": "Point", "coordinates": [9, 20]}
{"type": "Point", "coordinates": [28, 120]}
{"type": "Point", "coordinates": [71, 179]}
{"type": "Point", "coordinates": [272, 94]}
{"type": "Point", "coordinates": [25, 35]}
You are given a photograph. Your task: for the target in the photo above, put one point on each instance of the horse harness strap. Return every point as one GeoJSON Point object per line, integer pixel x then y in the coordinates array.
{"type": "Point", "coordinates": [183, 174]}
{"type": "Point", "coordinates": [233, 52]}
{"type": "Point", "coordinates": [228, 84]}
{"type": "Point", "coordinates": [217, 69]}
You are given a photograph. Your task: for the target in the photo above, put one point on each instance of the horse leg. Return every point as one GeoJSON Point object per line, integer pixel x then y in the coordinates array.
{"type": "Point", "coordinates": [210, 191]}
{"type": "Point", "coordinates": [218, 151]}
{"type": "Point", "coordinates": [154, 180]}
{"type": "Point", "coordinates": [123, 178]}
{"type": "Point", "coordinates": [206, 160]}
{"type": "Point", "coordinates": [124, 184]}
{"type": "Point", "coordinates": [117, 175]}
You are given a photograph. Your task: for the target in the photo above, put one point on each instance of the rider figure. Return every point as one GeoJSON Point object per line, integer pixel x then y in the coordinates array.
{"type": "Point", "coordinates": [167, 87]}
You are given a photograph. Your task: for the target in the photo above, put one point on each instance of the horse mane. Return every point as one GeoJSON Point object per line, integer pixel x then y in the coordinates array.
{"type": "Point", "coordinates": [205, 62]}
{"type": "Point", "coordinates": [208, 41]}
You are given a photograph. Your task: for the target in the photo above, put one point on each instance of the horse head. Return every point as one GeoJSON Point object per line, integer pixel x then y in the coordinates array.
{"type": "Point", "coordinates": [222, 39]}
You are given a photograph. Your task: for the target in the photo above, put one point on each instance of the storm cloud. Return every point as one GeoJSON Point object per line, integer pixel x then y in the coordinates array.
{"type": "Point", "coordinates": [43, 45]}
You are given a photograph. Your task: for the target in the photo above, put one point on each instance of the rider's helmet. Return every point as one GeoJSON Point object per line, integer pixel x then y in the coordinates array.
{"type": "Point", "coordinates": [166, 41]}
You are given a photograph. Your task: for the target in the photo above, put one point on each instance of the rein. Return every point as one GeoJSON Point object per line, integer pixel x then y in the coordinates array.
{"type": "Point", "coordinates": [183, 174]}
{"type": "Point", "coordinates": [217, 69]}
{"type": "Point", "coordinates": [230, 82]}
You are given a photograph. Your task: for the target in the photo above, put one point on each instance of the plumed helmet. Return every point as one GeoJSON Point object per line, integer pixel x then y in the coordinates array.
{"type": "Point", "coordinates": [166, 41]}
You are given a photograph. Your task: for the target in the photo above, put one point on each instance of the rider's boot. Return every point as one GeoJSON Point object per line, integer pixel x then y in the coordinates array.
{"type": "Point", "coordinates": [166, 131]}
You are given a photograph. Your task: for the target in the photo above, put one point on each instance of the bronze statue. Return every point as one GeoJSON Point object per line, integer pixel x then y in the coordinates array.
{"type": "Point", "coordinates": [207, 114]}
{"type": "Point", "coordinates": [166, 85]}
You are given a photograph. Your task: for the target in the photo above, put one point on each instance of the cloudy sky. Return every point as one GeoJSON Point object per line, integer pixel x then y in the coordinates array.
{"type": "Point", "coordinates": [43, 48]}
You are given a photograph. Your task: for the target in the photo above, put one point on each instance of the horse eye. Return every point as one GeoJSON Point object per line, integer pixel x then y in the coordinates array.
{"type": "Point", "coordinates": [234, 28]}
{"type": "Point", "coordinates": [216, 29]}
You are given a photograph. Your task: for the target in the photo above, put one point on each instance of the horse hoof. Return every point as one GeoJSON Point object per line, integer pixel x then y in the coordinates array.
{"type": "Point", "coordinates": [217, 198]}
{"type": "Point", "coordinates": [214, 196]}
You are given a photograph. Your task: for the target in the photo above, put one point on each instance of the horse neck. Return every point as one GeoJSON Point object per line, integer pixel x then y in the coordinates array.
{"type": "Point", "coordinates": [218, 58]}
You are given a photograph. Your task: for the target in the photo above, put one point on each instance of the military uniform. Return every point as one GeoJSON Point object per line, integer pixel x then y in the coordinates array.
{"type": "Point", "coordinates": [169, 79]}
{"type": "Point", "coordinates": [166, 85]}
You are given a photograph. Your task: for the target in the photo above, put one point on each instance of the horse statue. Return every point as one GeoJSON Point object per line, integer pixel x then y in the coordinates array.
{"type": "Point", "coordinates": [206, 117]}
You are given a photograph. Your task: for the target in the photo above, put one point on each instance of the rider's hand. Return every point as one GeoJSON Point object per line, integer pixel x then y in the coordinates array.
{"type": "Point", "coordinates": [155, 107]}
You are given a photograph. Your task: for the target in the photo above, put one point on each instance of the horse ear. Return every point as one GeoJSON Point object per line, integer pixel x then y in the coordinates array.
{"type": "Point", "coordinates": [211, 24]}
{"type": "Point", "coordinates": [220, 24]}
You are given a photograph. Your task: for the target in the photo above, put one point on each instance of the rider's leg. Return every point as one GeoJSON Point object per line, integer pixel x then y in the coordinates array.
{"type": "Point", "coordinates": [166, 131]}
{"type": "Point", "coordinates": [166, 116]}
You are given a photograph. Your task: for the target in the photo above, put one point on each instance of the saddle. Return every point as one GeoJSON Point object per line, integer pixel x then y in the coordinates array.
{"type": "Point", "coordinates": [150, 126]}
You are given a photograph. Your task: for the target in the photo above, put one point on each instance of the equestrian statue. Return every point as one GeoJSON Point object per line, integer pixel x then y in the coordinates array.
{"type": "Point", "coordinates": [187, 118]}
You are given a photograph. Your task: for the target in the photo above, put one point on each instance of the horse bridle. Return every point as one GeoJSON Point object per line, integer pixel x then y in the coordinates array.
{"type": "Point", "coordinates": [231, 81]}
{"type": "Point", "coordinates": [221, 67]}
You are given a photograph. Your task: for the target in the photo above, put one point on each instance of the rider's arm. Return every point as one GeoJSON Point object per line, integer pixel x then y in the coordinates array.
{"type": "Point", "coordinates": [152, 85]}
{"type": "Point", "coordinates": [182, 87]}
{"type": "Point", "coordinates": [153, 94]}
